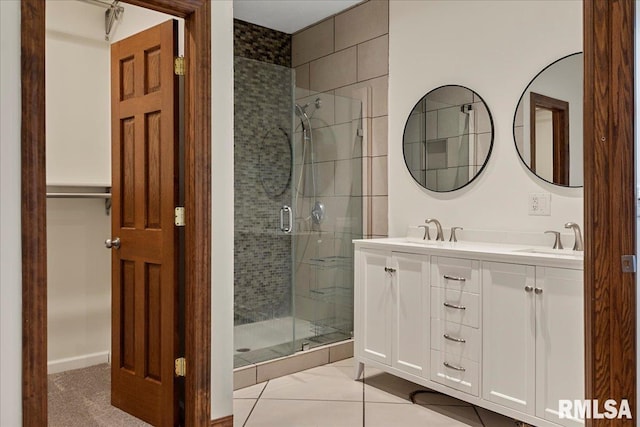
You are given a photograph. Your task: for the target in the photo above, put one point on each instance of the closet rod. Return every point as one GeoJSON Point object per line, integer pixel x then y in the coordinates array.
{"type": "Point", "coordinates": [104, 4]}
{"type": "Point", "coordinates": [79, 195]}
{"type": "Point", "coordinates": [106, 195]}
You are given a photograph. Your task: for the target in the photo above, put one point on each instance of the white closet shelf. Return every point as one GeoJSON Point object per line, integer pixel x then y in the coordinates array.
{"type": "Point", "coordinates": [81, 192]}
{"type": "Point", "coordinates": [78, 195]}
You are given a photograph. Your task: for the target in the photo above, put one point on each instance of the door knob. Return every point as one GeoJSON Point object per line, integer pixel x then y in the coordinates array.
{"type": "Point", "coordinates": [115, 243]}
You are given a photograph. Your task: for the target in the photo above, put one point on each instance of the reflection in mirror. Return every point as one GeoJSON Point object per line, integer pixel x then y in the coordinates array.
{"type": "Point", "coordinates": [548, 123]}
{"type": "Point", "coordinates": [275, 162]}
{"type": "Point", "coordinates": [550, 138]}
{"type": "Point", "coordinates": [448, 138]}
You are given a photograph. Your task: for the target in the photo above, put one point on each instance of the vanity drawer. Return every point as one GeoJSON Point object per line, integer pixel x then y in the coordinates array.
{"type": "Point", "coordinates": [456, 339]}
{"type": "Point", "coordinates": [456, 372]}
{"type": "Point", "coordinates": [455, 306]}
{"type": "Point", "coordinates": [455, 273]}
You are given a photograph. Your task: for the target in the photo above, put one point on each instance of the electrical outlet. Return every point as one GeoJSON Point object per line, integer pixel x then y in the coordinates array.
{"type": "Point", "coordinates": [539, 204]}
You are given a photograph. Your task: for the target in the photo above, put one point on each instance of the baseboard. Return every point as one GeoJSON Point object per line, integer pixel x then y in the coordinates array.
{"type": "Point", "coordinates": [77, 362]}
{"type": "Point", "coordinates": [223, 422]}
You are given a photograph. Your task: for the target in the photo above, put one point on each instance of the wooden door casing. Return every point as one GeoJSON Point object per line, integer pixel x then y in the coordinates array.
{"type": "Point", "coordinates": [144, 191]}
{"type": "Point", "coordinates": [609, 205]}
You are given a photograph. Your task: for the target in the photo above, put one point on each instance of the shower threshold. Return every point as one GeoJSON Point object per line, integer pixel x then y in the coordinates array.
{"type": "Point", "coordinates": [270, 339]}
{"type": "Point", "coordinates": [248, 375]}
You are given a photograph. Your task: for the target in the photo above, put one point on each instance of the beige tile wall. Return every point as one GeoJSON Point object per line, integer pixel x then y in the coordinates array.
{"type": "Point", "coordinates": [342, 55]}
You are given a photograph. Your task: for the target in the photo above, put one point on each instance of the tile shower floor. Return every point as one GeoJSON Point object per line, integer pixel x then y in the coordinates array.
{"type": "Point", "coordinates": [328, 396]}
{"type": "Point", "coordinates": [270, 339]}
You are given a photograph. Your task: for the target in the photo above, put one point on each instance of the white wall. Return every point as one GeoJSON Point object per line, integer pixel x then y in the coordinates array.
{"type": "Point", "coordinates": [494, 48]}
{"type": "Point", "coordinates": [79, 284]}
{"type": "Point", "coordinates": [10, 249]}
{"type": "Point", "coordinates": [222, 208]}
{"type": "Point", "coordinates": [78, 152]}
{"type": "Point", "coordinates": [78, 96]}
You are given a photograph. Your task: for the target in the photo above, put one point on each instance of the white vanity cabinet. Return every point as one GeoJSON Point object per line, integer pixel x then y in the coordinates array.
{"type": "Point", "coordinates": [392, 296]}
{"type": "Point", "coordinates": [559, 341]}
{"type": "Point", "coordinates": [533, 338]}
{"type": "Point", "coordinates": [509, 335]}
{"type": "Point", "coordinates": [499, 326]}
{"type": "Point", "coordinates": [455, 323]}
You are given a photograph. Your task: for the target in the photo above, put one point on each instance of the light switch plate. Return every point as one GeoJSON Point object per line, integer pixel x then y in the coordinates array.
{"type": "Point", "coordinates": [540, 204]}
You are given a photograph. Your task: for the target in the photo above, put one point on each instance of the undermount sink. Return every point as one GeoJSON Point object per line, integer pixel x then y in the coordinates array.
{"type": "Point", "coordinates": [550, 251]}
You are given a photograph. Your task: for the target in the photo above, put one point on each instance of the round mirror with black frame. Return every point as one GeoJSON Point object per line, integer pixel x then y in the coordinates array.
{"type": "Point", "coordinates": [448, 138]}
{"type": "Point", "coordinates": [547, 124]}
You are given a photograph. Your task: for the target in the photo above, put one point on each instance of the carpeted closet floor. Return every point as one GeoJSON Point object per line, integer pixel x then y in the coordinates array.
{"type": "Point", "coordinates": [81, 398]}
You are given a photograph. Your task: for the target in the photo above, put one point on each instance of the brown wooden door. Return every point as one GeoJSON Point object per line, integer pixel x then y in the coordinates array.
{"type": "Point", "coordinates": [144, 188]}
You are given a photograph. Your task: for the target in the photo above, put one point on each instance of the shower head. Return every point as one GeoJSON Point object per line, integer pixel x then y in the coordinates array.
{"type": "Point", "coordinates": [302, 109]}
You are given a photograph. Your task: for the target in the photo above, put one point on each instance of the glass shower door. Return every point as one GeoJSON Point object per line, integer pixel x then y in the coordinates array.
{"type": "Point", "coordinates": [327, 216]}
{"type": "Point", "coordinates": [263, 159]}
{"type": "Point", "coordinates": [298, 205]}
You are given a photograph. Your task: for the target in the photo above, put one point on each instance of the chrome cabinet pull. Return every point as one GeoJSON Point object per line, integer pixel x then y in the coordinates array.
{"type": "Point", "coordinates": [450, 338]}
{"type": "Point", "coordinates": [528, 288]}
{"type": "Point", "coordinates": [390, 270]}
{"type": "Point", "coordinates": [457, 307]}
{"type": "Point", "coordinates": [456, 278]}
{"type": "Point", "coordinates": [288, 227]}
{"type": "Point", "coordinates": [538, 291]}
{"type": "Point", "coordinates": [457, 368]}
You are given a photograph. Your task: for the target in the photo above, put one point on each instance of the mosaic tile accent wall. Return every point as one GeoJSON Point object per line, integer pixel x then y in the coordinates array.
{"type": "Point", "coordinates": [263, 111]}
{"type": "Point", "coordinates": [262, 44]}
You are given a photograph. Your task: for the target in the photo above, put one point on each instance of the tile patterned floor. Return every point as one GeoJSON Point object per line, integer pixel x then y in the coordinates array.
{"type": "Point", "coordinates": [328, 396]}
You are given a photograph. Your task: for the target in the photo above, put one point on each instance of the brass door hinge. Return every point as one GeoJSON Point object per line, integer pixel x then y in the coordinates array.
{"type": "Point", "coordinates": [181, 367]}
{"type": "Point", "coordinates": [628, 263]}
{"type": "Point", "coordinates": [179, 216]}
{"type": "Point", "coordinates": [178, 66]}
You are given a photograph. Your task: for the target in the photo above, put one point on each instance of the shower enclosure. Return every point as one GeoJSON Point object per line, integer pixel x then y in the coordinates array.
{"type": "Point", "coordinates": [298, 205]}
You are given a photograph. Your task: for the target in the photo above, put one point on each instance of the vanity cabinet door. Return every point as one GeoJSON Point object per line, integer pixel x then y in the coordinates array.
{"type": "Point", "coordinates": [509, 335]}
{"type": "Point", "coordinates": [377, 299]}
{"type": "Point", "coordinates": [411, 317]}
{"type": "Point", "coordinates": [559, 341]}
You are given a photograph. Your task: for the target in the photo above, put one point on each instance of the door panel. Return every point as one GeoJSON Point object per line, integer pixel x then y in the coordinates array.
{"type": "Point", "coordinates": [508, 372]}
{"type": "Point", "coordinates": [144, 191]}
{"type": "Point", "coordinates": [411, 315]}
{"type": "Point", "coordinates": [559, 341]}
{"type": "Point", "coordinates": [378, 303]}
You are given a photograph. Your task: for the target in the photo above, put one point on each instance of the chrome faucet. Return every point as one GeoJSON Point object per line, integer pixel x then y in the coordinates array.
{"type": "Point", "coordinates": [558, 242]}
{"type": "Point", "coordinates": [578, 245]}
{"type": "Point", "coordinates": [426, 235]}
{"type": "Point", "coordinates": [453, 237]}
{"type": "Point", "coordinates": [439, 235]}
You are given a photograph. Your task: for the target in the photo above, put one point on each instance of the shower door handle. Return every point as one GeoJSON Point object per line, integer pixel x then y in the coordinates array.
{"type": "Point", "coordinates": [286, 228]}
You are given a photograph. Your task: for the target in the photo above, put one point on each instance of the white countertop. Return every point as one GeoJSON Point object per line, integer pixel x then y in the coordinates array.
{"type": "Point", "coordinates": [498, 252]}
